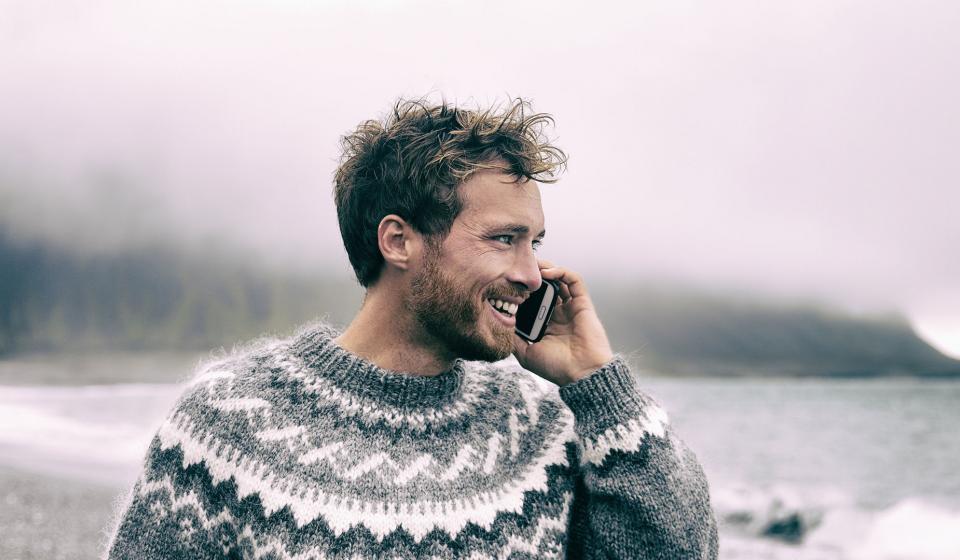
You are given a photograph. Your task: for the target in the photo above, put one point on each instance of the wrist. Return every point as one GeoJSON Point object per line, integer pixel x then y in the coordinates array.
{"type": "Point", "coordinates": [611, 413]}
{"type": "Point", "coordinates": [586, 368]}
{"type": "Point", "coordinates": [609, 396]}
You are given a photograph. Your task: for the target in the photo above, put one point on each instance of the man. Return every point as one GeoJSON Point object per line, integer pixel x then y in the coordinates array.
{"type": "Point", "coordinates": [398, 437]}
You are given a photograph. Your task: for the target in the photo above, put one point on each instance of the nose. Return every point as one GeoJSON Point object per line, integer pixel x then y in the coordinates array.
{"type": "Point", "coordinates": [526, 271]}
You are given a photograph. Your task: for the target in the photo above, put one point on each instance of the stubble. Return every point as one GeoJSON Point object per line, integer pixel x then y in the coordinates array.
{"type": "Point", "coordinates": [452, 315]}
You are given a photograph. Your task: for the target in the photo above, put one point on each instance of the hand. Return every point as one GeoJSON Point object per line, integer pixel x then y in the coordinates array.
{"type": "Point", "coordinates": [575, 344]}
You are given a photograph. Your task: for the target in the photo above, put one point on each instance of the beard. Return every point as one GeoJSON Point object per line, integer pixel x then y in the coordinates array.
{"type": "Point", "coordinates": [452, 315]}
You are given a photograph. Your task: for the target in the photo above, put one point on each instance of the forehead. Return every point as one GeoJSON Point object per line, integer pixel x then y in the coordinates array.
{"type": "Point", "coordinates": [491, 197]}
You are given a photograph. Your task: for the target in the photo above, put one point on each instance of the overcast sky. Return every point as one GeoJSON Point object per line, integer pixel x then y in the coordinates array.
{"type": "Point", "coordinates": [805, 149]}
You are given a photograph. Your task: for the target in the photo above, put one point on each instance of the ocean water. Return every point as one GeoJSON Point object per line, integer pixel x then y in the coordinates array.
{"type": "Point", "coordinates": [799, 469]}
{"type": "Point", "coordinates": [826, 469]}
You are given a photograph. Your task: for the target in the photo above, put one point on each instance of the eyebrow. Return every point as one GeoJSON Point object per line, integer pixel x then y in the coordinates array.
{"type": "Point", "coordinates": [519, 228]}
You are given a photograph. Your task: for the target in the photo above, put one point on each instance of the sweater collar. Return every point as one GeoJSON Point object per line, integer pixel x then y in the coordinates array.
{"type": "Point", "coordinates": [316, 346]}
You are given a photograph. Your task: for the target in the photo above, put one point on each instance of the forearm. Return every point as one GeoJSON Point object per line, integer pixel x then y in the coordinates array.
{"type": "Point", "coordinates": [643, 492]}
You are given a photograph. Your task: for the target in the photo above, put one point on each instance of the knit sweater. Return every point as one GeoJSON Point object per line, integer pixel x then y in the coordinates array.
{"type": "Point", "coordinates": [298, 449]}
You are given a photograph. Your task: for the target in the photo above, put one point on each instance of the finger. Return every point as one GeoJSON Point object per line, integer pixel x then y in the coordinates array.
{"type": "Point", "coordinates": [545, 264]}
{"type": "Point", "coordinates": [575, 285]}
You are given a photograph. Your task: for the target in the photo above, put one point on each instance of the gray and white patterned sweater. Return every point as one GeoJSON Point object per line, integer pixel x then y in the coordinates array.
{"type": "Point", "coordinates": [298, 449]}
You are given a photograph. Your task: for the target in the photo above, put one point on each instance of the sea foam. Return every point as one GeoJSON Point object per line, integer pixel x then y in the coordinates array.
{"type": "Point", "coordinates": [823, 523]}
{"type": "Point", "coordinates": [96, 433]}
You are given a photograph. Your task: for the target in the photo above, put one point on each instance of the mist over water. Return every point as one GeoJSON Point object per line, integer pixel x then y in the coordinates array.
{"type": "Point", "coordinates": [773, 148]}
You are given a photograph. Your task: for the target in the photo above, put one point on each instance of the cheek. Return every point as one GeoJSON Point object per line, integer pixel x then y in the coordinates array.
{"type": "Point", "coordinates": [478, 273]}
{"type": "Point", "coordinates": [481, 280]}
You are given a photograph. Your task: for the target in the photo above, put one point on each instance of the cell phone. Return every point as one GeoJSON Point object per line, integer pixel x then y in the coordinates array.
{"type": "Point", "coordinates": [534, 313]}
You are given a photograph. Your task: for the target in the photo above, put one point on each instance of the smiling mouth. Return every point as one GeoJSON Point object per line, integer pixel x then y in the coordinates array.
{"type": "Point", "coordinates": [504, 308]}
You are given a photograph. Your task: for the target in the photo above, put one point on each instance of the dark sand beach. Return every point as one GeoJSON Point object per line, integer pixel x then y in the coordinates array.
{"type": "Point", "coordinates": [48, 518]}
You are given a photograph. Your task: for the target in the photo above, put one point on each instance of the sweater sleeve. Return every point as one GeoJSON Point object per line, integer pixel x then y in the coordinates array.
{"type": "Point", "coordinates": [163, 516]}
{"type": "Point", "coordinates": [171, 512]}
{"type": "Point", "coordinates": [641, 492]}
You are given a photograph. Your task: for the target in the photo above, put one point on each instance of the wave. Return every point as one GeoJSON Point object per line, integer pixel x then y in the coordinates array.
{"type": "Point", "coordinates": [823, 523]}
{"type": "Point", "coordinates": [912, 528]}
{"type": "Point", "coordinates": [98, 433]}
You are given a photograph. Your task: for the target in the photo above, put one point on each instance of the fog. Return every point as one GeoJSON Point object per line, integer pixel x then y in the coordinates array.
{"type": "Point", "coordinates": [776, 148]}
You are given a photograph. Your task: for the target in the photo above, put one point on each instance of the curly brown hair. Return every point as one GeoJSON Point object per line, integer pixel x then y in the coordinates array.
{"type": "Point", "coordinates": [412, 162]}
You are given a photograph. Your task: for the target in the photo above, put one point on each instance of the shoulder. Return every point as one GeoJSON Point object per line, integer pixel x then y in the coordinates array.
{"type": "Point", "coordinates": [249, 366]}
{"type": "Point", "coordinates": [535, 401]}
{"type": "Point", "coordinates": [511, 379]}
{"type": "Point", "coordinates": [233, 411]}
{"type": "Point", "coordinates": [243, 364]}
{"type": "Point", "coordinates": [228, 391]}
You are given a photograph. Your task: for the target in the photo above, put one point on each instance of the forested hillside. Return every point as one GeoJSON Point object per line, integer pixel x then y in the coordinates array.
{"type": "Point", "coordinates": [159, 298]}
{"type": "Point", "coordinates": [689, 332]}
{"type": "Point", "coordinates": [155, 298]}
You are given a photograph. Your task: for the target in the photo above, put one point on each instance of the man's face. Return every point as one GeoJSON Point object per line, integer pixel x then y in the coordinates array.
{"type": "Point", "coordinates": [487, 255]}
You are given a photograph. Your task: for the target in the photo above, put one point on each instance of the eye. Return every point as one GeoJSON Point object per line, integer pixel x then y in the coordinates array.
{"type": "Point", "coordinates": [508, 239]}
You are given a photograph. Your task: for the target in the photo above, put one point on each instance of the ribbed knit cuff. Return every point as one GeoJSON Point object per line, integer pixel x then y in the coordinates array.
{"type": "Point", "coordinates": [607, 397]}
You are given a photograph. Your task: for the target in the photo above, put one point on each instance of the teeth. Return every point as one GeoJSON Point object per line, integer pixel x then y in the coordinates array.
{"type": "Point", "coordinates": [510, 308]}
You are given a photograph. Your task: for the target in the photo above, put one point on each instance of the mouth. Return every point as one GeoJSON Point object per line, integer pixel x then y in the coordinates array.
{"type": "Point", "coordinates": [504, 314]}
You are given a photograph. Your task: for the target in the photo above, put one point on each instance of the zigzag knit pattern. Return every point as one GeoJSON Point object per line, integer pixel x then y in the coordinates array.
{"type": "Point", "coordinates": [298, 449]}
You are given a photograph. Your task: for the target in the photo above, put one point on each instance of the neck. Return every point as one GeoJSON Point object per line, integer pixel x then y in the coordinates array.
{"type": "Point", "coordinates": [385, 333]}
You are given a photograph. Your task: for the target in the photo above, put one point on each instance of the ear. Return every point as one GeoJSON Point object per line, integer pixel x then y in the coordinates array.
{"type": "Point", "coordinates": [398, 241]}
